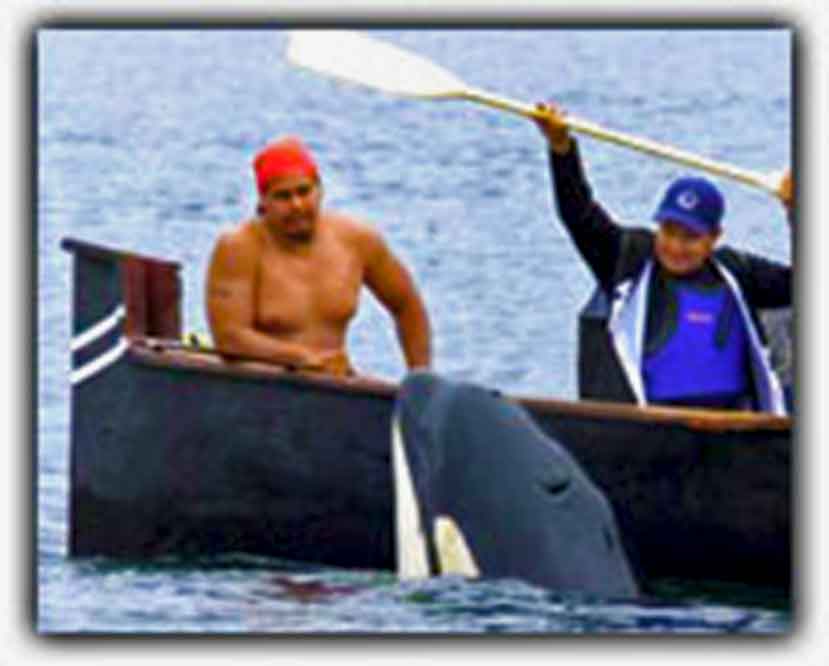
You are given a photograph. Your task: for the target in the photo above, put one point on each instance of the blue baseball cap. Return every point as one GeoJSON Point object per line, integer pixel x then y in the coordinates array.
{"type": "Point", "coordinates": [695, 203]}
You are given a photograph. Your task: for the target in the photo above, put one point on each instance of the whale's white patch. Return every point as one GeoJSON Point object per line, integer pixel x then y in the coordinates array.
{"type": "Point", "coordinates": [453, 552]}
{"type": "Point", "coordinates": [412, 558]}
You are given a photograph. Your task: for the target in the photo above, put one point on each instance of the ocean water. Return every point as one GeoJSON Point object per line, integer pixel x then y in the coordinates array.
{"type": "Point", "coordinates": [144, 142]}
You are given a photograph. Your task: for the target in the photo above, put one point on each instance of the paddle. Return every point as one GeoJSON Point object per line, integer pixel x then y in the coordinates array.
{"type": "Point", "coordinates": [360, 59]}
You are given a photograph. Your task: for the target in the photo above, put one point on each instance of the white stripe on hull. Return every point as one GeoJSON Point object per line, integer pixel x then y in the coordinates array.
{"type": "Point", "coordinates": [99, 363]}
{"type": "Point", "coordinates": [97, 330]}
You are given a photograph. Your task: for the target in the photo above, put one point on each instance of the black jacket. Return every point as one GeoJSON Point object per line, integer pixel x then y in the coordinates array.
{"type": "Point", "coordinates": [616, 254]}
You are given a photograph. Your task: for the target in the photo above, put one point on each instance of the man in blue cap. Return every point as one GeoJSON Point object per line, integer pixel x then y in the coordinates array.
{"type": "Point", "coordinates": [682, 321]}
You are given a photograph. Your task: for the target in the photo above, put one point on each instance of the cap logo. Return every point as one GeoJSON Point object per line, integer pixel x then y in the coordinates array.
{"type": "Point", "coordinates": [688, 199]}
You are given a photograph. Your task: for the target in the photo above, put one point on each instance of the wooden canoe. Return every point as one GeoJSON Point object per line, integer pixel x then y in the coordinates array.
{"type": "Point", "coordinates": [175, 450]}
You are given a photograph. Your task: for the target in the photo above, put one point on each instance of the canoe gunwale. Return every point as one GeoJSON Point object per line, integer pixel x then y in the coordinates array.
{"type": "Point", "coordinates": [168, 354]}
{"type": "Point", "coordinates": [172, 354]}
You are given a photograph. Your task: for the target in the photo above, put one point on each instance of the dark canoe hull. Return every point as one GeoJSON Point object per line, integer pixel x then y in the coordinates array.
{"type": "Point", "coordinates": [182, 460]}
{"type": "Point", "coordinates": [690, 503]}
{"type": "Point", "coordinates": [175, 451]}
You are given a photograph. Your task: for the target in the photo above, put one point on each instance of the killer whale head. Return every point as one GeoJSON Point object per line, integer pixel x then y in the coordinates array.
{"type": "Point", "coordinates": [486, 483]}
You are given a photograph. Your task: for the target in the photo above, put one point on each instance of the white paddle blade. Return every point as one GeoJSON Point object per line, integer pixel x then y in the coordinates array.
{"type": "Point", "coordinates": [356, 58]}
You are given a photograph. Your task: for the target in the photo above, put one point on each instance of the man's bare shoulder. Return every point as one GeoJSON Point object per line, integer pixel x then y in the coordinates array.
{"type": "Point", "coordinates": [239, 234]}
{"type": "Point", "coordinates": [241, 238]}
{"type": "Point", "coordinates": [355, 231]}
{"type": "Point", "coordinates": [237, 247]}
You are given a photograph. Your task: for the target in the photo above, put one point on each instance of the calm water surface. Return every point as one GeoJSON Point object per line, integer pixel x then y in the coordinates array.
{"type": "Point", "coordinates": [145, 140]}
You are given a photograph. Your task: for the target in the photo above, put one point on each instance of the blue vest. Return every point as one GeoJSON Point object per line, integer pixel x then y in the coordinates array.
{"type": "Point", "coordinates": [700, 354]}
{"type": "Point", "coordinates": [626, 327]}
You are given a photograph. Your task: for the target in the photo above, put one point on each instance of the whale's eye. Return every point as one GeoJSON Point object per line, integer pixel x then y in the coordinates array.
{"type": "Point", "coordinates": [555, 487]}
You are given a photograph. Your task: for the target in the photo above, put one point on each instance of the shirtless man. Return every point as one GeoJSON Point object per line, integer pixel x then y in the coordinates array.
{"type": "Point", "coordinates": [283, 286]}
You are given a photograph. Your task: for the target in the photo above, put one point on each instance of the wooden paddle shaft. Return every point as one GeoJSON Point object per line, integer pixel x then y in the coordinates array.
{"type": "Point", "coordinates": [752, 178]}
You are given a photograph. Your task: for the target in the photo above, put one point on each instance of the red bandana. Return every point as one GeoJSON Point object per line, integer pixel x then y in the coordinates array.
{"type": "Point", "coordinates": [286, 157]}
